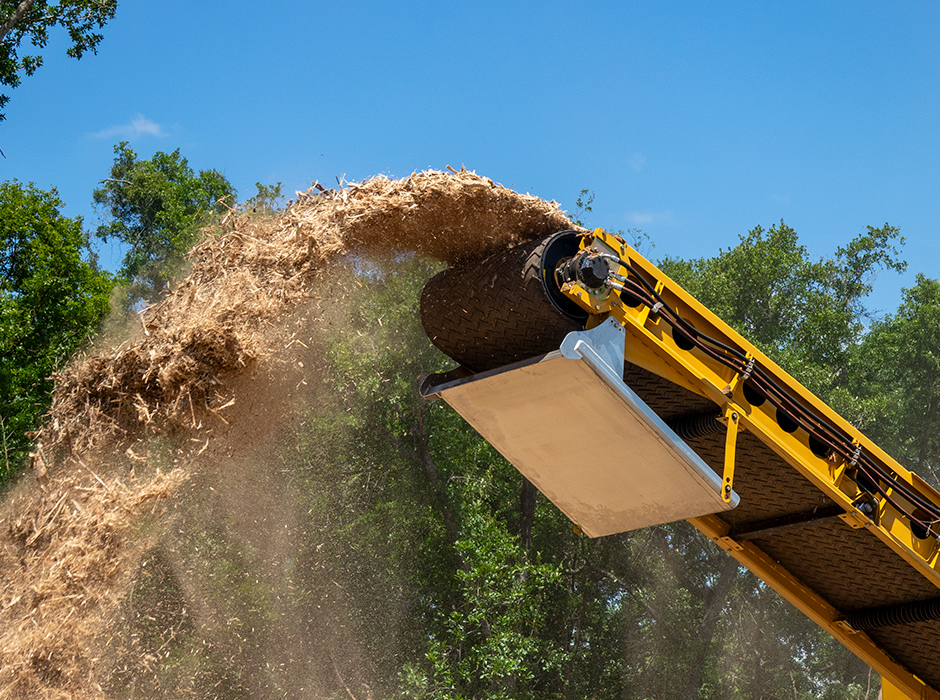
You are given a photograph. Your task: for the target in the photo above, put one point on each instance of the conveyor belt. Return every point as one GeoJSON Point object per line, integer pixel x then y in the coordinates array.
{"type": "Point", "coordinates": [846, 566]}
{"type": "Point", "coordinates": [801, 524]}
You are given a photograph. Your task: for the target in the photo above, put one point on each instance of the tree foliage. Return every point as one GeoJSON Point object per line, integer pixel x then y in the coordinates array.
{"type": "Point", "coordinates": [31, 20]}
{"type": "Point", "coordinates": [157, 208]}
{"type": "Point", "coordinates": [893, 387]}
{"type": "Point", "coordinates": [805, 314]}
{"type": "Point", "coordinates": [269, 199]}
{"type": "Point", "coordinates": [52, 297]}
{"type": "Point", "coordinates": [438, 566]}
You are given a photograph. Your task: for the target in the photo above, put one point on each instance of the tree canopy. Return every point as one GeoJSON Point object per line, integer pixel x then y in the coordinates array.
{"type": "Point", "coordinates": [457, 579]}
{"type": "Point", "coordinates": [52, 297]}
{"type": "Point", "coordinates": [157, 208]}
{"type": "Point", "coordinates": [31, 20]}
{"type": "Point", "coordinates": [806, 314]}
{"type": "Point", "coordinates": [892, 387]}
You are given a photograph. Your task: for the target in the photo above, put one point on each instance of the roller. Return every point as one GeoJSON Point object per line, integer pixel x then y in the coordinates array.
{"type": "Point", "coordinates": [505, 308]}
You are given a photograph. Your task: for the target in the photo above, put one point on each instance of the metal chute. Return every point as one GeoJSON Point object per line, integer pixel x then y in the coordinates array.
{"type": "Point", "coordinates": [628, 471]}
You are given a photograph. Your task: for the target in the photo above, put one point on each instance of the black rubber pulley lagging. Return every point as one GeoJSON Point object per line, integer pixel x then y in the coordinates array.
{"type": "Point", "coordinates": [504, 308]}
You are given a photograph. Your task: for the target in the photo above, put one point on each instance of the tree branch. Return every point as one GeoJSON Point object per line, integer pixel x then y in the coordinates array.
{"type": "Point", "coordinates": [655, 614]}
{"type": "Point", "coordinates": [17, 15]}
{"type": "Point", "coordinates": [718, 594]}
{"type": "Point", "coordinates": [450, 522]}
{"type": "Point", "coordinates": [526, 513]}
{"type": "Point", "coordinates": [423, 457]}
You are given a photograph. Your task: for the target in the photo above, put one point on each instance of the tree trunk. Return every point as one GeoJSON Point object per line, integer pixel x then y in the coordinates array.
{"type": "Point", "coordinates": [526, 513]}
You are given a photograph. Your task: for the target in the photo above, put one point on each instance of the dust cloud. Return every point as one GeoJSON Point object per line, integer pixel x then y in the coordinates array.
{"type": "Point", "coordinates": [162, 544]}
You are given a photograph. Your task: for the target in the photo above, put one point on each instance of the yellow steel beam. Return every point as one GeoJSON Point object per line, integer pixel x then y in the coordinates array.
{"type": "Point", "coordinates": [807, 601]}
{"type": "Point", "coordinates": [891, 692]}
{"type": "Point", "coordinates": [651, 345]}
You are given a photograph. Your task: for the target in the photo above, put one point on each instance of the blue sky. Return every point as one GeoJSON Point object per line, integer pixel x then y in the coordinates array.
{"type": "Point", "coordinates": [692, 121]}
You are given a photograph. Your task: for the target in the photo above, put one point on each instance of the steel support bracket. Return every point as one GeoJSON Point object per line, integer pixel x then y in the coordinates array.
{"type": "Point", "coordinates": [731, 418]}
{"type": "Point", "coordinates": [855, 519]}
{"type": "Point", "coordinates": [728, 544]}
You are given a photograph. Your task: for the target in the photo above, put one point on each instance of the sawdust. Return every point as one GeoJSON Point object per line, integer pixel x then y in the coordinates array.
{"type": "Point", "coordinates": [64, 549]}
{"type": "Point", "coordinates": [218, 320]}
{"type": "Point", "coordinates": [73, 538]}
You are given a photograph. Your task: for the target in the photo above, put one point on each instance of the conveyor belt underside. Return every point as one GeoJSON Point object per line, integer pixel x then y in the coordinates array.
{"type": "Point", "coordinates": [850, 568]}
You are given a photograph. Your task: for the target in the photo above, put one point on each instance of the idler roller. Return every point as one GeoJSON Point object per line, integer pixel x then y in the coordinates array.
{"type": "Point", "coordinates": [504, 308]}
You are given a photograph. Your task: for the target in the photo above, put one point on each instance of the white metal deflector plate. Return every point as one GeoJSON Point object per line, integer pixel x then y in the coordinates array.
{"type": "Point", "coordinates": [569, 423]}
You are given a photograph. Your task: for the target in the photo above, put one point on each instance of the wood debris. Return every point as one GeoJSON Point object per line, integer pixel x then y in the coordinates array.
{"type": "Point", "coordinates": [66, 550]}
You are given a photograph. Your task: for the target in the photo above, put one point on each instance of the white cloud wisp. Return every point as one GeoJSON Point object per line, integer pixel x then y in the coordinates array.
{"type": "Point", "coordinates": [137, 126]}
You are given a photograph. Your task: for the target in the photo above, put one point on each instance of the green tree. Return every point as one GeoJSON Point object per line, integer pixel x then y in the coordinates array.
{"type": "Point", "coordinates": [31, 20]}
{"type": "Point", "coordinates": [267, 200]}
{"type": "Point", "coordinates": [893, 387]}
{"type": "Point", "coordinates": [503, 599]}
{"type": "Point", "coordinates": [157, 208]}
{"type": "Point", "coordinates": [583, 206]}
{"type": "Point", "coordinates": [805, 314]}
{"type": "Point", "coordinates": [52, 298]}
